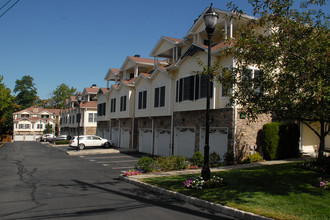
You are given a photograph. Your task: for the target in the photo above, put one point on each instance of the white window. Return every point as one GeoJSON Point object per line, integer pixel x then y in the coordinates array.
{"type": "Point", "coordinates": [159, 97]}
{"type": "Point", "coordinates": [123, 103]}
{"type": "Point", "coordinates": [90, 117]}
{"type": "Point", "coordinates": [113, 105]}
{"type": "Point", "coordinates": [142, 100]}
{"type": "Point", "coordinates": [192, 88]}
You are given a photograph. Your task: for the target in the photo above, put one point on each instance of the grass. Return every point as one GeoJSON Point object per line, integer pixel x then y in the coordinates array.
{"type": "Point", "coordinates": [280, 191]}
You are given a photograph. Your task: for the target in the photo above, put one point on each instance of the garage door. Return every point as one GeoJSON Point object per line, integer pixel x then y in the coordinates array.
{"type": "Point", "coordinates": [19, 137]}
{"type": "Point", "coordinates": [124, 138]}
{"type": "Point", "coordinates": [29, 137]}
{"type": "Point", "coordinates": [184, 142]}
{"type": "Point", "coordinates": [106, 134]}
{"type": "Point", "coordinates": [145, 141]}
{"type": "Point", "coordinates": [218, 140]}
{"type": "Point", "coordinates": [163, 143]}
{"type": "Point", "coordinates": [115, 136]}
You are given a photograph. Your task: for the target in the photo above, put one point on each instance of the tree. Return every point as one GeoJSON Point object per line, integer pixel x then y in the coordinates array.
{"type": "Point", "coordinates": [60, 94]}
{"type": "Point", "coordinates": [27, 92]}
{"type": "Point", "coordinates": [292, 54]}
{"type": "Point", "coordinates": [48, 129]}
{"type": "Point", "coordinates": [7, 107]}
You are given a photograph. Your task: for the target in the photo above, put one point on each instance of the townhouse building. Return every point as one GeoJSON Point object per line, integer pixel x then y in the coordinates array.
{"type": "Point", "coordinates": [157, 105]}
{"type": "Point", "coordinates": [87, 111]}
{"type": "Point", "coordinates": [29, 124]}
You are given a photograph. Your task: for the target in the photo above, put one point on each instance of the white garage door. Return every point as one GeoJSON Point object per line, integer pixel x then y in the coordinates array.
{"type": "Point", "coordinates": [29, 137]}
{"type": "Point", "coordinates": [19, 137]}
{"type": "Point", "coordinates": [106, 134]}
{"type": "Point", "coordinates": [218, 140]}
{"type": "Point", "coordinates": [124, 138]}
{"type": "Point", "coordinates": [145, 141]}
{"type": "Point", "coordinates": [163, 143]}
{"type": "Point", "coordinates": [184, 142]}
{"type": "Point", "coordinates": [115, 136]}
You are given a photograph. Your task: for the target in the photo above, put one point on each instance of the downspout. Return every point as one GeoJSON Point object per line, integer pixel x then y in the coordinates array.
{"type": "Point", "coordinates": [171, 102]}
{"type": "Point", "coordinates": [119, 138]}
{"type": "Point", "coordinates": [152, 136]}
{"type": "Point", "coordinates": [133, 119]}
{"type": "Point", "coordinates": [235, 119]}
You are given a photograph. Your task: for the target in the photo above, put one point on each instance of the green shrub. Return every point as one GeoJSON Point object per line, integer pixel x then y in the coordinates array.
{"type": "Point", "coordinates": [215, 159]}
{"type": "Point", "coordinates": [179, 163]}
{"type": "Point", "coordinates": [197, 159]}
{"type": "Point", "coordinates": [271, 140]}
{"type": "Point", "coordinates": [62, 142]}
{"type": "Point", "coordinates": [228, 158]}
{"type": "Point", "coordinates": [165, 163]}
{"type": "Point", "coordinates": [255, 158]}
{"type": "Point", "coordinates": [145, 164]}
{"type": "Point", "coordinates": [280, 140]}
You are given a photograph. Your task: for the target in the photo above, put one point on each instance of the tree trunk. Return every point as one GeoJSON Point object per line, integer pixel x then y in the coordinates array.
{"type": "Point", "coordinates": [322, 140]}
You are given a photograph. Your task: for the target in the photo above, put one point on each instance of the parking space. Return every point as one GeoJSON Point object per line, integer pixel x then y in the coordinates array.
{"type": "Point", "coordinates": [118, 161]}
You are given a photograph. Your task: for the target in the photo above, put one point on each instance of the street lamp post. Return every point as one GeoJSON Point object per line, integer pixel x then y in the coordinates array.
{"type": "Point", "coordinates": [78, 117]}
{"type": "Point", "coordinates": [210, 19]}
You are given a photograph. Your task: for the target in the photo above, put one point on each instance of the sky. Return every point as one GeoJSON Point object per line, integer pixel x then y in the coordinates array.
{"type": "Point", "coordinates": [76, 41]}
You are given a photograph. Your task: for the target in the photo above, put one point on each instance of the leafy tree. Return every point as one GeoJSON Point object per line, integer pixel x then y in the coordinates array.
{"type": "Point", "coordinates": [27, 92]}
{"type": "Point", "coordinates": [60, 94]}
{"type": "Point", "coordinates": [48, 129]}
{"type": "Point", "coordinates": [292, 54]}
{"type": "Point", "coordinates": [7, 107]}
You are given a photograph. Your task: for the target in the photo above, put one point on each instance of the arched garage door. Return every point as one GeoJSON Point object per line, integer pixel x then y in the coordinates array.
{"type": "Point", "coordinates": [218, 140]}
{"type": "Point", "coordinates": [184, 142]}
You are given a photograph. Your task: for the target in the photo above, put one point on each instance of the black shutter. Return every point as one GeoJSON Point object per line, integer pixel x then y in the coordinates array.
{"type": "Point", "coordinates": [156, 98]}
{"type": "Point", "coordinates": [162, 96]}
{"type": "Point", "coordinates": [144, 100]}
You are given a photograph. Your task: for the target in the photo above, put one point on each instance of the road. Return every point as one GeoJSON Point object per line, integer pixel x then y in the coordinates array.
{"type": "Point", "coordinates": [41, 182]}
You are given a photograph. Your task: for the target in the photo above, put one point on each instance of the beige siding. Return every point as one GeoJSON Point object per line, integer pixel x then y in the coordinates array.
{"type": "Point", "coordinates": [162, 79]}
{"type": "Point", "coordinates": [143, 84]}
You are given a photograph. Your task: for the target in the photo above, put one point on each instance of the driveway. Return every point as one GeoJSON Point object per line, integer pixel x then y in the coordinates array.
{"type": "Point", "coordinates": [41, 182]}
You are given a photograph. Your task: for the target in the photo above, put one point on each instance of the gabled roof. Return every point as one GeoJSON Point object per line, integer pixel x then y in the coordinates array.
{"type": "Point", "coordinates": [92, 90]}
{"type": "Point", "coordinates": [112, 72]}
{"type": "Point", "coordinates": [171, 40]}
{"type": "Point", "coordinates": [39, 110]}
{"type": "Point", "coordinates": [223, 14]}
{"type": "Point", "coordinates": [142, 76]}
{"type": "Point", "coordinates": [91, 104]}
{"type": "Point", "coordinates": [140, 60]}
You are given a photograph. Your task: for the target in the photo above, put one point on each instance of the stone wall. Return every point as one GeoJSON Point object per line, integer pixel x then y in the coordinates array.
{"type": "Point", "coordinates": [248, 134]}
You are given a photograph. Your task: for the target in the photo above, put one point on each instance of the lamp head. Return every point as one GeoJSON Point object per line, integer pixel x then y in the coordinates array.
{"type": "Point", "coordinates": [210, 19]}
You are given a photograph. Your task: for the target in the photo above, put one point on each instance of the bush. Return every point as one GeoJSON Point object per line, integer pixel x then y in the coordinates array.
{"type": "Point", "coordinates": [62, 142]}
{"type": "Point", "coordinates": [197, 159]}
{"type": "Point", "coordinates": [179, 163]}
{"type": "Point", "coordinates": [228, 157]}
{"type": "Point", "coordinates": [171, 163]}
{"type": "Point", "coordinates": [280, 140]}
{"type": "Point", "coordinates": [215, 159]}
{"type": "Point", "coordinates": [145, 164]}
{"type": "Point", "coordinates": [271, 140]}
{"type": "Point", "coordinates": [255, 158]}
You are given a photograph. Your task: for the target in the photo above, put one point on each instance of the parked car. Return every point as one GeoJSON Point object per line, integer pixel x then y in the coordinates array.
{"type": "Point", "coordinates": [47, 137]}
{"type": "Point", "coordinates": [62, 137]}
{"type": "Point", "coordinates": [89, 141]}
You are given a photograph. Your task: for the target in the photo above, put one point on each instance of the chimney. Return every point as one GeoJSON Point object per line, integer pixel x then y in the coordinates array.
{"type": "Point", "coordinates": [137, 55]}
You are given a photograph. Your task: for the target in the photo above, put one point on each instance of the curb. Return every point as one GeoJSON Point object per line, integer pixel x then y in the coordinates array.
{"type": "Point", "coordinates": [92, 152]}
{"type": "Point", "coordinates": [215, 207]}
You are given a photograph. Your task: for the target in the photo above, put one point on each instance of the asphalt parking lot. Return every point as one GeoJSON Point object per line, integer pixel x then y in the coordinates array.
{"type": "Point", "coordinates": [115, 159]}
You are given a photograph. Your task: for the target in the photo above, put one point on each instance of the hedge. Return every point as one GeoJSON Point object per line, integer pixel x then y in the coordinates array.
{"type": "Point", "coordinates": [280, 140]}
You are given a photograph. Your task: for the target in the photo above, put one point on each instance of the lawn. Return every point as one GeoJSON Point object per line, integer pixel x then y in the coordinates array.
{"type": "Point", "coordinates": [280, 191]}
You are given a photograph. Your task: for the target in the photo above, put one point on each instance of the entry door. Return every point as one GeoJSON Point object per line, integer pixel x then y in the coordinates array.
{"type": "Point", "coordinates": [125, 138]}
{"type": "Point", "coordinates": [163, 143]}
{"type": "Point", "coordinates": [115, 136]}
{"type": "Point", "coordinates": [145, 141]}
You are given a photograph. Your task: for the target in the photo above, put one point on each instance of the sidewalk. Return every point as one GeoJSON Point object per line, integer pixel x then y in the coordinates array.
{"type": "Point", "coordinates": [233, 212]}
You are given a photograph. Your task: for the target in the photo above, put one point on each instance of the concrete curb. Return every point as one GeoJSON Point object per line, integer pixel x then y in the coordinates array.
{"type": "Point", "coordinates": [233, 212]}
{"type": "Point", "coordinates": [91, 152]}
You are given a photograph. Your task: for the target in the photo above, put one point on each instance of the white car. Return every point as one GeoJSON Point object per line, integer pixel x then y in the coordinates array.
{"type": "Point", "coordinates": [89, 141]}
